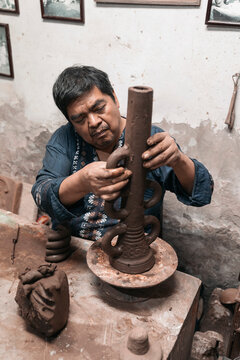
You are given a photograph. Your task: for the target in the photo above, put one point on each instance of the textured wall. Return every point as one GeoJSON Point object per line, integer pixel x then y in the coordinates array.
{"type": "Point", "coordinates": [207, 239]}
{"type": "Point", "coordinates": [22, 142]}
{"type": "Point", "coordinates": [189, 67]}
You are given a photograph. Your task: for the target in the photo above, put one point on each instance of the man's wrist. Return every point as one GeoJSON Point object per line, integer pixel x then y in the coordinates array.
{"type": "Point", "coordinates": [182, 162]}
{"type": "Point", "coordinates": [184, 169]}
{"type": "Point", "coordinates": [73, 188]}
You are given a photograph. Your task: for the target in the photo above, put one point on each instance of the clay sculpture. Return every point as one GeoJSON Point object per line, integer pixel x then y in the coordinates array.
{"type": "Point", "coordinates": [132, 253]}
{"type": "Point", "coordinates": [43, 298]}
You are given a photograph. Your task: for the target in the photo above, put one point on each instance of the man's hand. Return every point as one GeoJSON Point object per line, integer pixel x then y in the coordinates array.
{"type": "Point", "coordinates": [95, 178]}
{"type": "Point", "coordinates": [106, 183]}
{"type": "Point", "coordinates": [163, 150]}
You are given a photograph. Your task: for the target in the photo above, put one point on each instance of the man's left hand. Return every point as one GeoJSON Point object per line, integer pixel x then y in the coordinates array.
{"type": "Point", "coordinates": [163, 150]}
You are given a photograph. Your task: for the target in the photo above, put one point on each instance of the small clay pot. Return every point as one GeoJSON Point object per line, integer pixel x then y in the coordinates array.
{"type": "Point", "coordinates": [138, 346]}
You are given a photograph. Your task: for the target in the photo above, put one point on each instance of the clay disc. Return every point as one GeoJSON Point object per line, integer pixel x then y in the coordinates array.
{"type": "Point", "coordinates": [166, 262]}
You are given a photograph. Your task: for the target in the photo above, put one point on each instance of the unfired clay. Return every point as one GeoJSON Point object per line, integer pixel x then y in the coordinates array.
{"type": "Point", "coordinates": [132, 253]}
{"type": "Point", "coordinates": [43, 298]}
{"type": "Point", "coordinates": [58, 244]}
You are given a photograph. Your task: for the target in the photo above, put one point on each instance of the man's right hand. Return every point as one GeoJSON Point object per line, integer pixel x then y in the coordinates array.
{"type": "Point", "coordinates": [106, 183]}
{"type": "Point", "coordinates": [95, 178]}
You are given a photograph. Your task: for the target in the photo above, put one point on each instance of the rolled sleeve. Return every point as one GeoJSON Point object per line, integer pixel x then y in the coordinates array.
{"type": "Point", "coordinates": [46, 197]}
{"type": "Point", "coordinates": [203, 185]}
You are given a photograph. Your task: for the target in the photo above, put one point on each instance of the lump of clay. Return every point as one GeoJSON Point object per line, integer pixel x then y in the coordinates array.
{"type": "Point", "coordinates": [43, 298]}
{"type": "Point", "coordinates": [58, 244]}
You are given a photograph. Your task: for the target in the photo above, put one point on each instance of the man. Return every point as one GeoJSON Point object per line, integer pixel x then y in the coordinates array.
{"type": "Point", "coordinates": [74, 182]}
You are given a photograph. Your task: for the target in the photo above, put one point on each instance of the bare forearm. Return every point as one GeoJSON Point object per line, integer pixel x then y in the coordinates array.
{"type": "Point", "coordinates": [73, 188]}
{"type": "Point", "coordinates": [184, 169]}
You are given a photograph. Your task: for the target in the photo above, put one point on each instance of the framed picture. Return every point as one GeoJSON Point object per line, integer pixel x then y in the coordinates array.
{"type": "Point", "coordinates": [70, 10]}
{"type": "Point", "coordinates": [151, 2]}
{"type": "Point", "coordinates": [9, 6]}
{"type": "Point", "coordinates": [6, 64]}
{"type": "Point", "coordinates": [223, 12]}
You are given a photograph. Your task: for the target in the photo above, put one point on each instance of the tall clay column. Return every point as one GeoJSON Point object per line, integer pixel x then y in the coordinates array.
{"type": "Point", "coordinates": [132, 253]}
{"type": "Point", "coordinates": [138, 129]}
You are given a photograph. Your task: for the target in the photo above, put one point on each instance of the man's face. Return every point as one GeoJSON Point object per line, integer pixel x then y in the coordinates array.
{"type": "Point", "coordinates": [96, 118]}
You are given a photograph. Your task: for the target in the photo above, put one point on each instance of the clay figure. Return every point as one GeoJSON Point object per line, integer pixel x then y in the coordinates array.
{"type": "Point", "coordinates": [43, 298]}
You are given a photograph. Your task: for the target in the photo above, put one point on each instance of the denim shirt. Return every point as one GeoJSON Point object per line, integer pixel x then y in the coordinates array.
{"type": "Point", "coordinates": [67, 152]}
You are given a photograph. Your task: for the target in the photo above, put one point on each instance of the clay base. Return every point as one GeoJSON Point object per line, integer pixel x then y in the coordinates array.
{"type": "Point", "coordinates": [165, 265]}
{"type": "Point", "coordinates": [133, 267]}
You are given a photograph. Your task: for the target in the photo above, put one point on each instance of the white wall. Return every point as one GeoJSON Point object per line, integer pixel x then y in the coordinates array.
{"type": "Point", "coordinates": [188, 64]}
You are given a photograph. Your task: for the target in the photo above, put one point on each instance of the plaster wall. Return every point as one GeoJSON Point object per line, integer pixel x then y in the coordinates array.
{"type": "Point", "coordinates": [189, 66]}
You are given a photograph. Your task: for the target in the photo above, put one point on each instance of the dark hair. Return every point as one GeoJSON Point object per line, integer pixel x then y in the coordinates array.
{"type": "Point", "coordinates": [75, 81]}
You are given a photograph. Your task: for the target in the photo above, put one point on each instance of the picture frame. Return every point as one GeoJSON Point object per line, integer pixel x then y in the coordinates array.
{"type": "Point", "coordinates": [67, 10]}
{"type": "Point", "coordinates": [223, 13]}
{"type": "Point", "coordinates": [151, 2]}
{"type": "Point", "coordinates": [6, 63]}
{"type": "Point", "coordinates": [9, 6]}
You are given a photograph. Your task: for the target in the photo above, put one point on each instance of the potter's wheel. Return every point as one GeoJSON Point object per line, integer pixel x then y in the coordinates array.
{"type": "Point", "coordinates": [166, 262]}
